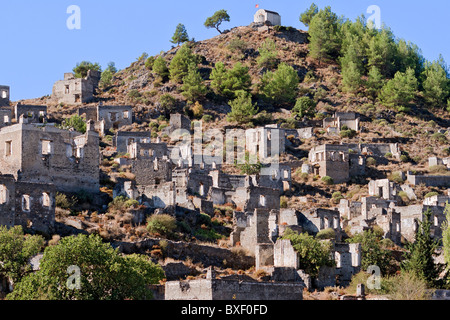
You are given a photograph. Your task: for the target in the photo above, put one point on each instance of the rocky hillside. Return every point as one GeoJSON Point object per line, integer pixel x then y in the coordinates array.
{"type": "Point", "coordinates": [421, 132]}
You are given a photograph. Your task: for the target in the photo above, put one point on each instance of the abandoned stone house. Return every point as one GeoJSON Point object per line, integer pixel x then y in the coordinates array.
{"type": "Point", "coordinates": [33, 113]}
{"type": "Point", "coordinates": [44, 154]}
{"type": "Point", "coordinates": [4, 96]}
{"type": "Point", "coordinates": [30, 205]}
{"type": "Point", "coordinates": [342, 119]}
{"type": "Point", "coordinates": [266, 142]}
{"type": "Point", "coordinates": [266, 17]}
{"type": "Point", "coordinates": [177, 122]}
{"type": "Point", "coordinates": [259, 233]}
{"type": "Point", "coordinates": [73, 90]}
{"type": "Point", "coordinates": [123, 139]}
{"type": "Point", "coordinates": [332, 161]}
{"type": "Point", "coordinates": [436, 161]}
{"type": "Point", "coordinates": [108, 117]}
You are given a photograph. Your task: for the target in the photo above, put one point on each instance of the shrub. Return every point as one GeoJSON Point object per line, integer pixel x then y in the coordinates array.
{"type": "Point", "coordinates": [64, 202]}
{"type": "Point", "coordinates": [337, 196]}
{"type": "Point", "coordinates": [75, 122]}
{"type": "Point", "coordinates": [159, 67]}
{"type": "Point", "coordinates": [388, 155]}
{"type": "Point", "coordinates": [242, 108]}
{"type": "Point", "coordinates": [313, 254]}
{"type": "Point", "coordinates": [197, 110]}
{"type": "Point", "coordinates": [371, 161]}
{"type": "Point", "coordinates": [149, 62]}
{"type": "Point", "coordinates": [439, 137]}
{"type": "Point", "coordinates": [396, 177]}
{"type": "Point", "coordinates": [431, 194]}
{"type": "Point", "coordinates": [236, 44]}
{"type": "Point", "coordinates": [207, 118]}
{"type": "Point", "coordinates": [327, 180]}
{"type": "Point", "coordinates": [441, 169]}
{"type": "Point", "coordinates": [167, 102]}
{"type": "Point", "coordinates": [350, 133]}
{"type": "Point", "coordinates": [162, 224]}
{"type": "Point", "coordinates": [283, 202]}
{"type": "Point", "coordinates": [326, 234]}
{"type": "Point", "coordinates": [268, 55]}
{"type": "Point", "coordinates": [404, 158]}
{"type": "Point", "coordinates": [406, 286]}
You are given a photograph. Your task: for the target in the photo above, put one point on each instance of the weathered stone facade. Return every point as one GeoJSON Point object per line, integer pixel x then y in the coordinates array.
{"type": "Point", "coordinates": [30, 205]}
{"type": "Point", "coordinates": [4, 96]}
{"type": "Point", "coordinates": [123, 139]}
{"type": "Point", "coordinates": [44, 154]}
{"type": "Point", "coordinates": [34, 114]}
{"type": "Point", "coordinates": [73, 90]}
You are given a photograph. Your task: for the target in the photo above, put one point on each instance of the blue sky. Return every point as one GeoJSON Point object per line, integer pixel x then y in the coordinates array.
{"type": "Point", "coordinates": [37, 47]}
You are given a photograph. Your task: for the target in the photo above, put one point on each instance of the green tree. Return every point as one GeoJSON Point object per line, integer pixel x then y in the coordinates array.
{"type": "Point", "coordinates": [75, 122]}
{"type": "Point", "coordinates": [16, 249]}
{"type": "Point", "coordinates": [251, 166]}
{"type": "Point", "coordinates": [216, 20]}
{"type": "Point", "coordinates": [399, 92]}
{"type": "Point", "coordinates": [242, 108]}
{"type": "Point", "coordinates": [304, 107]}
{"type": "Point", "coordinates": [372, 252]}
{"type": "Point", "coordinates": [351, 77]}
{"type": "Point", "coordinates": [446, 235]}
{"type": "Point", "coordinates": [268, 55]}
{"type": "Point", "coordinates": [324, 35]}
{"type": "Point", "coordinates": [179, 66]}
{"type": "Point", "coordinates": [375, 82]}
{"type": "Point", "coordinates": [193, 87]}
{"type": "Point", "coordinates": [167, 103]}
{"type": "Point", "coordinates": [436, 83]}
{"type": "Point", "coordinates": [160, 68]}
{"type": "Point", "coordinates": [108, 74]}
{"type": "Point", "coordinates": [313, 254]}
{"type": "Point", "coordinates": [227, 82]}
{"type": "Point", "coordinates": [104, 273]}
{"type": "Point", "coordinates": [280, 86]}
{"type": "Point", "coordinates": [419, 259]}
{"type": "Point", "coordinates": [82, 68]}
{"type": "Point", "coordinates": [381, 52]}
{"type": "Point", "coordinates": [180, 35]}
{"type": "Point", "coordinates": [309, 14]}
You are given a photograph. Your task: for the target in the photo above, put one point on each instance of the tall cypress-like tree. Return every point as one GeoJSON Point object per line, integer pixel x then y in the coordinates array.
{"type": "Point", "coordinates": [180, 35]}
{"type": "Point", "coordinates": [419, 257]}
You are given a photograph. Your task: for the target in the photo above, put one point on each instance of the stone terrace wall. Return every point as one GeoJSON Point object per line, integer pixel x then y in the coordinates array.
{"type": "Point", "coordinates": [207, 255]}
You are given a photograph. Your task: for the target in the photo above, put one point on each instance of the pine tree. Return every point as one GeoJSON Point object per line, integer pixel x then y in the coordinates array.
{"type": "Point", "coordinates": [242, 108]}
{"type": "Point", "coordinates": [180, 35]}
{"type": "Point", "coordinates": [374, 82]}
{"type": "Point", "coordinates": [324, 35]}
{"type": "Point", "coordinates": [280, 86]}
{"type": "Point", "coordinates": [307, 16]}
{"type": "Point", "coordinates": [351, 77]}
{"type": "Point", "coordinates": [227, 82]}
{"type": "Point", "coordinates": [160, 67]}
{"type": "Point", "coordinates": [216, 20]}
{"type": "Point", "coordinates": [268, 55]}
{"type": "Point", "coordinates": [398, 92]}
{"type": "Point", "coordinates": [436, 83]}
{"type": "Point", "coordinates": [304, 107]}
{"type": "Point", "coordinates": [419, 257]}
{"type": "Point", "coordinates": [381, 53]}
{"type": "Point", "coordinates": [193, 87]}
{"type": "Point", "coordinates": [179, 66]}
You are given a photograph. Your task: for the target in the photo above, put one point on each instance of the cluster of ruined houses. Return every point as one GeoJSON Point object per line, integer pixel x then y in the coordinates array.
{"type": "Point", "coordinates": [37, 160]}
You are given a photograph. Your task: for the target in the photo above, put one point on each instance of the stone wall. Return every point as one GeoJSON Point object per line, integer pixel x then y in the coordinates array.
{"type": "Point", "coordinates": [4, 96]}
{"type": "Point", "coordinates": [429, 181]}
{"type": "Point", "coordinates": [220, 289]}
{"type": "Point", "coordinates": [34, 114]}
{"type": "Point", "coordinates": [66, 159]}
{"type": "Point", "coordinates": [123, 139]}
{"type": "Point", "coordinates": [31, 205]}
{"type": "Point", "coordinates": [73, 90]}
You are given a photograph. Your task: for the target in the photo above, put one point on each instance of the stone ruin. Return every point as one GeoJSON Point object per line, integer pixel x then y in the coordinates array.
{"type": "Point", "coordinates": [73, 90]}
